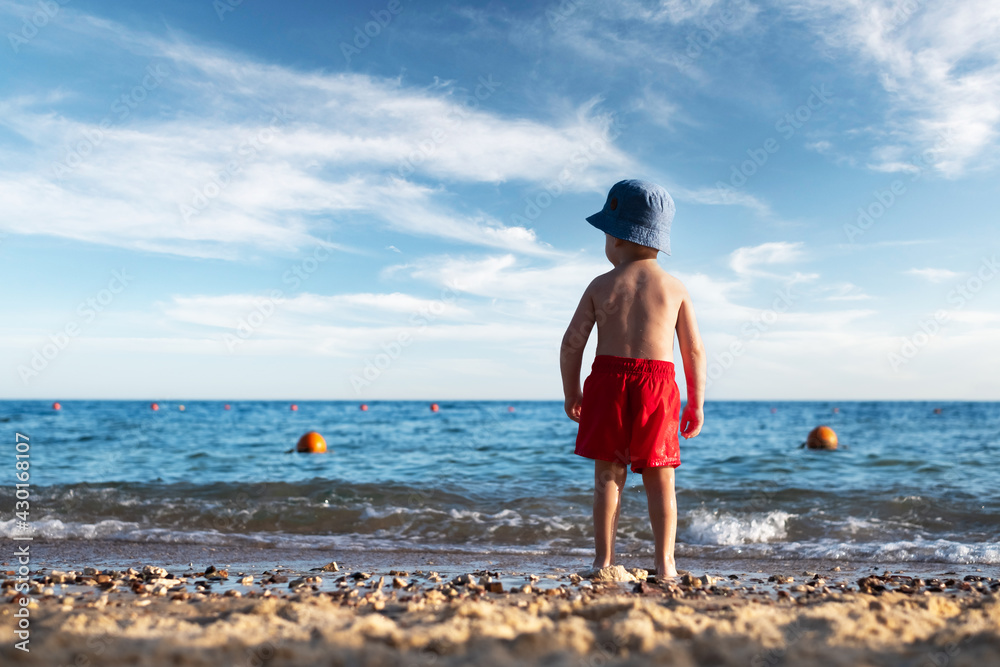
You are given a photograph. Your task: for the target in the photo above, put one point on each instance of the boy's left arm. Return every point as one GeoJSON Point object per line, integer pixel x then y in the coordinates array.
{"type": "Point", "coordinates": [571, 354]}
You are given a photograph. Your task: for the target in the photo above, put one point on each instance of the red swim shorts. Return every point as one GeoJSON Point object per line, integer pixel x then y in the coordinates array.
{"type": "Point", "coordinates": [630, 413]}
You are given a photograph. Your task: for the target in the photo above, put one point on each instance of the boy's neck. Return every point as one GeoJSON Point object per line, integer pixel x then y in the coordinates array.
{"type": "Point", "coordinates": [632, 258]}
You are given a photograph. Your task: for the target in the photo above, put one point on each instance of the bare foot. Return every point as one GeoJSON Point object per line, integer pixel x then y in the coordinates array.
{"type": "Point", "coordinates": [666, 571]}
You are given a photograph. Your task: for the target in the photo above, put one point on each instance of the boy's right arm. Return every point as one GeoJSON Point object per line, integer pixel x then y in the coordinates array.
{"type": "Point", "coordinates": [571, 354]}
{"type": "Point", "coordinates": [693, 356]}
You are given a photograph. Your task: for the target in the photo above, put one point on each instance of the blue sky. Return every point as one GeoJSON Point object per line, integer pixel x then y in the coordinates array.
{"type": "Point", "coordinates": [386, 200]}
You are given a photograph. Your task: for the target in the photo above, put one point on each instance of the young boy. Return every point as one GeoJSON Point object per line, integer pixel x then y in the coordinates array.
{"type": "Point", "coordinates": [628, 409]}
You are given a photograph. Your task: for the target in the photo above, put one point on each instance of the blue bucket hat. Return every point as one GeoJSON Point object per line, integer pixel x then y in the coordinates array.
{"type": "Point", "coordinates": [637, 211]}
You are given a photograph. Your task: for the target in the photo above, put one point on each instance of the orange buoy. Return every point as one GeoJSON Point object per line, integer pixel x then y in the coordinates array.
{"type": "Point", "coordinates": [364, 407]}
{"type": "Point", "coordinates": [57, 406]}
{"type": "Point", "coordinates": [294, 408]}
{"type": "Point", "coordinates": [937, 411]}
{"type": "Point", "coordinates": [227, 406]}
{"type": "Point", "coordinates": [822, 437]}
{"type": "Point", "coordinates": [434, 407]}
{"type": "Point", "coordinates": [154, 407]}
{"type": "Point", "coordinates": [774, 410]}
{"type": "Point", "coordinates": [181, 408]}
{"type": "Point", "coordinates": [836, 410]}
{"type": "Point", "coordinates": [510, 408]}
{"type": "Point", "coordinates": [311, 443]}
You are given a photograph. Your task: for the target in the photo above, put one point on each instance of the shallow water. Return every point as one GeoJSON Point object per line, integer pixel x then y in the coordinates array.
{"type": "Point", "coordinates": [911, 485]}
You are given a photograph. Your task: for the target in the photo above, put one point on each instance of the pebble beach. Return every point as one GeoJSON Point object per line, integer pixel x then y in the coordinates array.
{"type": "Point", "coordinates": [430, 610]}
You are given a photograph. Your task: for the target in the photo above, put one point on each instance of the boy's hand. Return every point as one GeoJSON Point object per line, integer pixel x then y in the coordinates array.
{"type": "Point", "coordinates": [691, 421]}
{"type": "Point", "coordinates": [574, 406]}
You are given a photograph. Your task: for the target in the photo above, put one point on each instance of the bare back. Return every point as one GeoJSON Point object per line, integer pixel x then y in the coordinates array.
{"type": "Point", "coordinates": [636, 307]}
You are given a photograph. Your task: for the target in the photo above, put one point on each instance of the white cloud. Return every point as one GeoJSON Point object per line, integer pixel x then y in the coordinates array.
{"type": "Point", "coordinates": [846, 292]}
{"type": "Point", "coordinates": [745, 260]}
{"type": "Point", "coordinates": [939, 63]}
{"type": "Point", "coordinates": [933, 275]}
{"type": "Point", "coordinates": [721, 197]}
{"type": "Point", "coordinates": [280, 157]}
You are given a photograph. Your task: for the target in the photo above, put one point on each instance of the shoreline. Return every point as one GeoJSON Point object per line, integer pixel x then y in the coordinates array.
{"type": "Point", "coordinates": [122, 554]}
{"type": "Point", "coordinates": [274, 606]}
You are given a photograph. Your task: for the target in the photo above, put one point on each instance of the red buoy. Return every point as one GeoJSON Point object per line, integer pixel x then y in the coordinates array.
{"type": "Point", "coordinates": [434, 407]}
{"type": "Point", "coordinates": [57, 406]}
{"type": "Point", "coordinates": [364, 407]}
{"type": "Point", "coordinates": [294, 408]}
{"type": "Point", "coordinates": [227, 406]}
{"type": "Point", "coordinates": [510, 409]}
{"type": "Point", "coordinates": [154, 407]}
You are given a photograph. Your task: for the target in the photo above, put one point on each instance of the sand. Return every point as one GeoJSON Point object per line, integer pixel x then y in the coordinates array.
{"type": "Point", "coordinates": [416, 614]}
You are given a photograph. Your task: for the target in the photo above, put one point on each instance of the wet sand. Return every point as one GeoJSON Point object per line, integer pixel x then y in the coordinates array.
{"type": "Point", "coordinates": [152, 604]}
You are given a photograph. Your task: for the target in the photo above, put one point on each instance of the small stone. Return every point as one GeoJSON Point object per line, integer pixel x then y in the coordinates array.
{"type": "Point", "coordinates": [91, 571]}
{"type": "Point", "coordinates": [494, 587]}
{"type": "Point", "coordinates": [247, 580]}
{"type": "Point", "coordinates": [639, 573]}
{"type": "Point", "coordinates": [331, 567]}
{"type": "Point", "coordinates": [612, 573]}
{"type": "Point", "coordinates": [463, 580]}
{"type": "Point", "coordinates": [574, 578]}
{"type": "Point", "coordinates": [233, 593]}
{"type": "Point", "coordinates": [151, 571]}
{"type": "Point", "coordinates": [399, 582]}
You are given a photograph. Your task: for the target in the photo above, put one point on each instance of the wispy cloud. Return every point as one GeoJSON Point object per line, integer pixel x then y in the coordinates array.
{"type": "Point", "coordinates": [933, 275]}
{"type": "Point", "coordinates": [281, 157]}
{"type": "Point", "coordinates": [744, 261]}
{"type": "Point", "coordinates": [939, 63]}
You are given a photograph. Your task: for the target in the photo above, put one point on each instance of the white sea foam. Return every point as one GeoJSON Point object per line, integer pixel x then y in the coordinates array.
{"type": "Point", "coordinates": [720, 528]}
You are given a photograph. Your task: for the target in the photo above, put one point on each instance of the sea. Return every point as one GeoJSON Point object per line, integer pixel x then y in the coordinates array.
{"type": "Point", "coordinates": [911, 481]}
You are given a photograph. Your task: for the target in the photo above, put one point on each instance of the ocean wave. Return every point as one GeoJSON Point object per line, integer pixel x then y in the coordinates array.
{"type": "Point", "coordinates": [720, 528]}
{"type": "Point", "coordinates": [904, 551]}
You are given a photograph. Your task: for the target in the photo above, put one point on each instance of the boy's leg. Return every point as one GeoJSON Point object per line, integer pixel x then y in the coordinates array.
{"type": "Point", "coordinates": [660, 496]}
{"type": "Point", "coordinates": [609, 482]}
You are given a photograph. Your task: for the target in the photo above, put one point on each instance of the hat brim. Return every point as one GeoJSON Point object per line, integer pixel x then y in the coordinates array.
{"type": "Point", "coordinates": [629, 232]}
